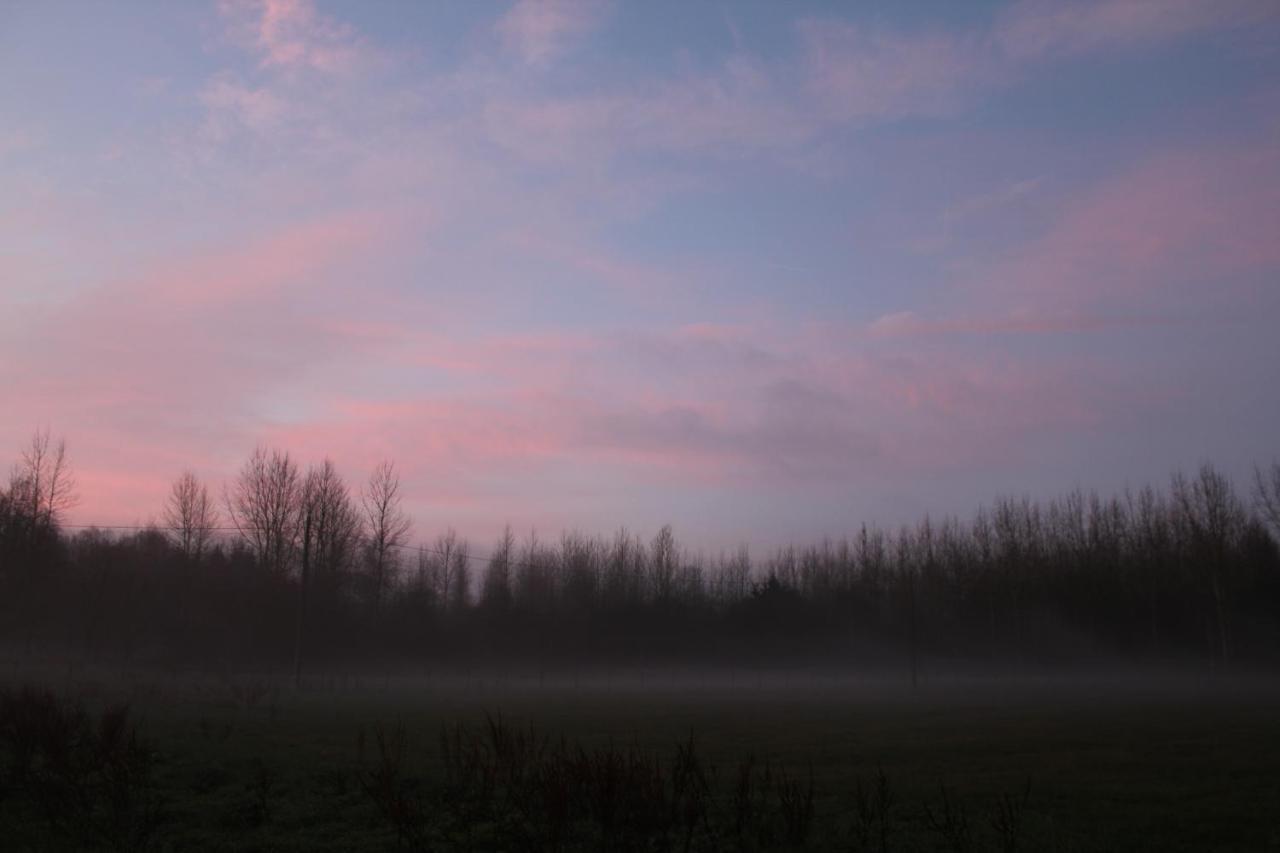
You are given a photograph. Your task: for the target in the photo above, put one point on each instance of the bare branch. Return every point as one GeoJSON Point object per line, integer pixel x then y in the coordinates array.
{"type": "Point", "coordinates": [264, 504]}
{"type": "Point", "coordinates": [1266, 493]}
{"type": "Point", "coordinates": [190, 516]}
{"type": "Point", "coordinates": [387, 526]}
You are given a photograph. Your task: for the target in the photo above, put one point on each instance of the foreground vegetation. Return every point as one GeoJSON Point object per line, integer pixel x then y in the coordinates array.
{"type": "Point", "coordinates": [250, 765]}
{"type": "Point", "coordinates": [615, 694]}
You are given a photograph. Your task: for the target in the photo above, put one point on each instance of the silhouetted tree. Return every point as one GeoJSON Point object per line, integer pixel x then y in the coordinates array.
{"type": "Point", "coordinates": [190, 516]}
{"type": "Point", "coordinates": [1266, 493]}
{"type": "Point", "coordinates": [580, 573]}
{"type": "Point", "coordinates": [460, 588]}
{"type": "Point", "coordinates": [732, 581]}
{"type": "Point", "coordinates": [265, 505]}
{"type": "Point", "coordinates": [495, 594]}
{"type": "Point", "coordinates": [535, 589]}
{"type": "Point", "coordinates": [662, 564]}
{"type": "Point", "coordinates": [624, 579]}
{"type": "Point", "coordinates": [41, 489]}
{"type": "Point", "coordinates": [387, 528]}
{"type": "Point", "coordinates": [1214, 518]}
{"type": "Point", "coordinates": [1151, 554]}
{"type": "Point", "coordinates": [1183, 571]}
{"type": "Point", "coordinates": [47, 484]}
{"type": "Point", "coordinates": [449, 567]}
{"type": "Point", "coordinates": [335, 527]}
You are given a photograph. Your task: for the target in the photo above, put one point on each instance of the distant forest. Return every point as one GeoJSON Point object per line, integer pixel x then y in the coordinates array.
{"type": "Point", "coordinates": [290, 567]}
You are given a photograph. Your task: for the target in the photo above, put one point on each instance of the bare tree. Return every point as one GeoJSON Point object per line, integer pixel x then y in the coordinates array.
{"type": "Point", "coordinates": [662, 564]}
{"type": "Point", "coordinates": [624, 578]}
{"type": "Point", "coordinates": [440, 565]}
{"type": "Point", "coordinates": [908, 552]}
{"type": "Point", "coordinates": [17, 522]}
{"type": "Point", "coordinates": [1152, 544]}
{"type": "Point", "coordinates": [733, 579]}
{"type": "Point", "coordinates": [580, 568]}
{"type": "Point", "coordinates": [387, 525]}
{"type": "Point", "coordinates": [265, 505]}
{"type": "Point", "coordinates": [449, 566]}
{"type": "Point", "coordinates": [461, 587]}
{"type": "Point", "coordinates": [332, 522]}
{"type": "Point", "coordinates": [496, 592]}
{"type": "Point", "coordinates": [190, 516]}
{"type": "Point", "coordinates": [330, 527]}
{"type": "Point", "coordinates": [1212, 514]}
{"type": "Point", "coordinates": [535, 586]}
{"type": "Point", "coordinates": [1266, 493]}
{"type": "Point", "coordinates": [42, 482]}
{"type": "Point", "coordinates": [41, 490]}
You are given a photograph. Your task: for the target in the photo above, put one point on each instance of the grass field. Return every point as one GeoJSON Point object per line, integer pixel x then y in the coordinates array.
{"type": "Point", "coordinates": [1112, 764]}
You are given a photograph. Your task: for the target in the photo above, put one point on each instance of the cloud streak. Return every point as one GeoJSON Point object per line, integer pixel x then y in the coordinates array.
{"type": "Point", "coordinates": [538, 31]}
{"type": "Point", "coordinates": [548, 277]}
{"type": "Point", "coordinates": [292, 35]}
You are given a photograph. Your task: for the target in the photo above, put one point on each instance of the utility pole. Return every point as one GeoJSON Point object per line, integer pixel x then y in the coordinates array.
{"type": "Point", "coordinates": [302, 598]}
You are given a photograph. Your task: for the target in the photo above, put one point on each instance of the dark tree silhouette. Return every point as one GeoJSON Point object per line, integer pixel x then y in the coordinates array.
{"type": "Point", "coordinates": [1188, 573]}
{"type": "Point", "coordinates": [662, 564]}
{"type": "Point", "coordinates": [335, 528]}
{"type": "Point", "coordinates": [1215, 520]}
{"type": "Point", "coordinates": [265, 505]}
{"type": "Point", "coordinates": [1266, 493]}
{"type": "Point", "coordinates": [387, 529]}
{"type": "Point", "coordinates": [495, 594]}
{"type": "Point", "coordinates": [41, 490]}
{"type": "Point", "coordinates": [190, 516]}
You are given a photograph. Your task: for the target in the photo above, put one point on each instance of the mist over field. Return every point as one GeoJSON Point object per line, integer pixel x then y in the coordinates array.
{"type": "Point", "coordinates": [295, 570]}
{"type": "Point", "coordinates": [306, 677]}
{"type": "Point", "coordinates": [576, 425]}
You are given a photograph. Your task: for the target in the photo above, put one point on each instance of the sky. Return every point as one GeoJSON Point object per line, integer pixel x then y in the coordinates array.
{"type": "Point", "coordinates": [761, 270]}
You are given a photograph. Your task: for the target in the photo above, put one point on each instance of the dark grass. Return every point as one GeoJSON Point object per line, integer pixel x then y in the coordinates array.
{"type": "Point", "coordinates": [242, 764]}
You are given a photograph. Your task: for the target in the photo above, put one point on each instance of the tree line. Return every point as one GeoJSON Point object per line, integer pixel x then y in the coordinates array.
{"type": "Point", "coordinates": [286, 564]}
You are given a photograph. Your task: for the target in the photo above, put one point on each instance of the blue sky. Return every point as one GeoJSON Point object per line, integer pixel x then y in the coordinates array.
{"type": "Point", "coordinates": [762, 270]}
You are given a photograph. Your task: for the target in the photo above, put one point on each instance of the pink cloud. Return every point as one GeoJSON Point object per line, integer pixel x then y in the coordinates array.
{"type": "Point", "coordinates": [738, 108]}
{"type": "Point", "coordinates": [856, 75]}
{"type": "Point", "coordinates": [19, 140]}
{"type": "Point", "coordinates": [270, 339]}
{"type": "Point", "coordinates": [1184, 222]}
{"type": "Point", "coordinates": [292, 34]}
{"type": "Point", "coordinates": [844, 75]}
{"type": "Point", "coordinates": [154, 372]}
{"type": "Point", "coordinates": [539, 30]}
{"type": "Point", "coordinates": [711, 417]}
{"type": "Point", "coordinates": [903, 324]}
{"type": "Point", "coordinates": [709, 406]}
{"type": "Point", "coordinates": [230, 106]}
{"type": "Point", "coordinates": [286, 259]}
{"type": "Point", "coordinates": [599, 266]}
{"type": "Point", "coordinates": [1033, 29]}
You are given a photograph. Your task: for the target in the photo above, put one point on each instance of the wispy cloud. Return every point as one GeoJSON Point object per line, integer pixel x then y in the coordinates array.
{"type": "Point", "coordinates": [534, 272]}
{"type": "Point", "coordinates": [1194, 218]}
{"type": "Point", "coordinates": [232, 106]}
{"type": "Point", "coordinates": [843, 75]}
{"type": "Point", "coordinates": [293, 35]}
{"type": "Point", "coordinates": [1037, 29]}
{"type": "Point", "coordinates": [855, 75]}
{"type": "Point", "coordinates": [538, 31]}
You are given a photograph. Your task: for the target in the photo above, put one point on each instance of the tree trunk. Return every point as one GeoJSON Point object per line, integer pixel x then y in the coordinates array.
{"type": "Point", "coordinates": [300, 631]}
